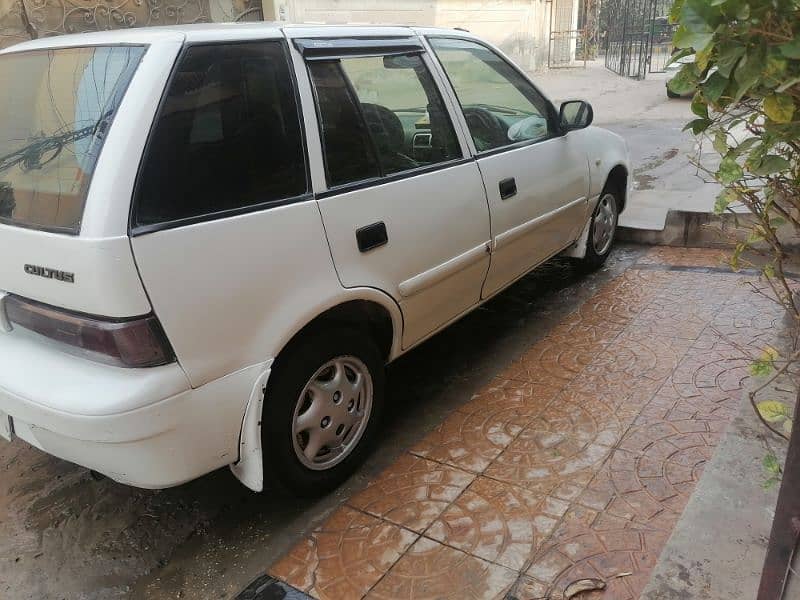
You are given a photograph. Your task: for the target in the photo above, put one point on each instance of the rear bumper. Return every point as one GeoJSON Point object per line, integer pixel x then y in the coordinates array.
{"type": "Point", "coordinates": [142, 427]}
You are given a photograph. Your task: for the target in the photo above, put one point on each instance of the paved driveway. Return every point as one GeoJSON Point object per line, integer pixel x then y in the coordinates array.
{"type": "Point", "coordinates": [575, 461]}
{"type": "Point", "coordinates": [553, 434]}
{"type": "Point", "coordinates": [66, 535]}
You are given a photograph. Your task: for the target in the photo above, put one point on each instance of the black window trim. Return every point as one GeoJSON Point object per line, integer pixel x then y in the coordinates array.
{"type": "Point", "coordinates": [392, 178]}
{"type": "Point", "coordinates": [383, 178]}
{"type": "Point", "coordinates": [137, 230]}
{"type": "Point", "coordinates": [76, 231]}
{"type": "Point", "coordinates": [552, 116]}
{"type": "Point", "coordinates": [327, 48]}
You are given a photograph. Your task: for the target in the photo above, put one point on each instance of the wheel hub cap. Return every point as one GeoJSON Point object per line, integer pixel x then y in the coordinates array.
{"type": "Point", "coordinates": [605, 222]}
{"type": "Point", "coordinates": [332, 413]}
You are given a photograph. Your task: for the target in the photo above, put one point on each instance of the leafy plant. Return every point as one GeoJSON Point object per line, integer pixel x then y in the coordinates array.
{"type": "Point", "coordinates": [773, 469]}
{"type": "Point", "coordinates": [745, 78]}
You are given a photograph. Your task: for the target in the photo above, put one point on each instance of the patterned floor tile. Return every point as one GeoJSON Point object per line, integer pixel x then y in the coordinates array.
{"type": "Point", "coordinates": [498, 522]}
{"type": "Point", "coordinates": [543, 461]}
{"type": "Point", "coordinates": [433, 571]}
{"type": "Point", "coordinates": [479, 431]}
{"type": "Point", "coordinates": [345, 557]}
{"type": "Point", "coordinates": [412, 492]}
{"type": "Point", "coordinates": [576, 461]}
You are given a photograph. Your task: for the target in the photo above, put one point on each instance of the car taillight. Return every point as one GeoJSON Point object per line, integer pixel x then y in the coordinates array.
{"type": "Point", "coordinates": [137, 342]}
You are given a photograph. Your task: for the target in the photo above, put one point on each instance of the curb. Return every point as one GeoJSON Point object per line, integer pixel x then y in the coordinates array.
{"type": "Point", "coordinates": [701, 230]}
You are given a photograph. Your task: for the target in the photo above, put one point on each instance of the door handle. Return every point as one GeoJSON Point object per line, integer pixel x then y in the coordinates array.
{"type": "Point", "coordinates": [508, 188]}
{"type": "Point", "coordinates": [371, 236]}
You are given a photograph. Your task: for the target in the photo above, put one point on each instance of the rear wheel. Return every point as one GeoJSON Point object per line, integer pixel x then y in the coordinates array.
{"type": "Point", "coordinates": [602, 230]}
{"type": "Point", "coordinates": [322, 410]}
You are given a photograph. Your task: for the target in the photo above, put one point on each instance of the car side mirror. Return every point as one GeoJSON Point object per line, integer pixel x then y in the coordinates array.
{"type": "Point", "coordinates": [575, 114]}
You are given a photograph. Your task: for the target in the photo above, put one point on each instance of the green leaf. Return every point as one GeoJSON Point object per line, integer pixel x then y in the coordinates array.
{"type": "Point", "coordinates": [700, 16]}
{"type": "Point", "coordinates": [721, 142]}
{"type": "Point", "coordinates": [699, 106]}
{"type": "Point", "coordinates": [727, 57]}
{"type": "Point", "coordinates": [743, 12]}
{"type": "Point", "coordinates": [675, 11]}
{"type": "Point", "coordinates": [685, 81]}
{"type": "Point", "coordinates": [770, 164]}
{"type": "Point", "coordinates": [749, 71]}
{"type": "Point", "coordinates": [791, 49]}
{"type": "Point", "coordinates": [714, 86]}
{"type": "Point", "coordinates": [771, 464]}
{"type": "Point", "coordinates": [787, 426]}
{"type": "Point", "coordinates": [724, 199]}
{"type": "Point", "coordinates": [698, 126]}
{"type": "Point", "coordinates": [779, 107]}
{"type": "Point", "coordinates": [775, 71]}
{"type": "Point", "coordinates": [772, 411]}
{"type": "Point", "coordinates": [684, 38]}
{"type": "Point", "coordinates": [745, 146]}
{"type": "Point", "coordinates": [729, 170]}
{"type": "Point", "coordinates": [702, 57]}
{"type": "Point", "coordinates": [679, 55]}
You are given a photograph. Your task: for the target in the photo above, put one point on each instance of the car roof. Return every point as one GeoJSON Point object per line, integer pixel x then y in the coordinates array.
{"type": "Point", "coordinates": [206, 32]}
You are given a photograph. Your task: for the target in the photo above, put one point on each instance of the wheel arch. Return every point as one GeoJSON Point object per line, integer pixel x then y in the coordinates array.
{"type": "Point", "coordinates": [361, 307]}
{"type": "Point", "coordinates": [617, 179]}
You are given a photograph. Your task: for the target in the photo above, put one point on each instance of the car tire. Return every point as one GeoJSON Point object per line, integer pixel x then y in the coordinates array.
{"type": "Point", "coordinates": [302, 413]}
{"type": "Point", "coordinates": [602, 230]}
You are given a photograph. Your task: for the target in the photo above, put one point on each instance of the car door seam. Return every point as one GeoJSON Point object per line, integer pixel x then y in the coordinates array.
{"type": "Point", "coordinates": [512, 234]}
{"type": "Point", "coordinates": [426, 279]}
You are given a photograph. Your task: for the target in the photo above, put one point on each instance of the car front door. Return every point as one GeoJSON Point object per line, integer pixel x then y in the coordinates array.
{"type": "Point", "coordinates": [403, 206]}
{"type": "Point", "coordinates": [536, 179]}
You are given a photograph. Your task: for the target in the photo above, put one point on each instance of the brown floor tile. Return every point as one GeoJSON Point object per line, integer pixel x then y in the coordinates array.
{"type": "Point", "coordinates": [345, 557]}
{"type": "Point", "coordinates": [477, 432]}
{"type": "Point", "coordinates": [692, 257]}
{"type": "Point", "coordinates": [586, 449]}
{"type": "Point", "coordinates": [542, 461]}
{"type": "Point", "coordinates": [432, 571]}
{"type": "Point", "coordinates": [412, 492]}
{"type": "Point", "coordinates": [498, 522]}
{"type": "Point", "coordinates": [588, 417]}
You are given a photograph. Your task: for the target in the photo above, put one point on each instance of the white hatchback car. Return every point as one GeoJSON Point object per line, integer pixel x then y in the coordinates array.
{"type": "Point", "coordinates": [215, 237]}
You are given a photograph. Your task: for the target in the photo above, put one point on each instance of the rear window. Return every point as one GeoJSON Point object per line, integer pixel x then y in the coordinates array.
{"type": "Point", "coordinates": [55, 109]}
{"type": "Point", "coordinates": [227, 138]}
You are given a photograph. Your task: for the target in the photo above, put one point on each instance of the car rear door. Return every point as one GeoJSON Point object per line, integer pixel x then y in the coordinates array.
{"type": "Point", "coordinates": [536, 180]}
{"type": "Point", "coordinates": [403, 205]}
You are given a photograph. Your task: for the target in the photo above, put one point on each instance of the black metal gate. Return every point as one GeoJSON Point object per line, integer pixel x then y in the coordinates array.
{"type": "Point", "coordinates": [637, 36]}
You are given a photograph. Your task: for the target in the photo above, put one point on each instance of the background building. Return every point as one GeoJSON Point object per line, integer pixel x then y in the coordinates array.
{"type": "Point", "coordinates": [528, 30]}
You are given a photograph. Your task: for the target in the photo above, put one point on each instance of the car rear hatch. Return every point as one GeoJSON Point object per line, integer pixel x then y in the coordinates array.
{"type": "Point", "coordinates": [78, 289]}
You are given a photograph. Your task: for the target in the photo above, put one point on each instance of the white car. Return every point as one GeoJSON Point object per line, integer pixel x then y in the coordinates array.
{"type": "Point", "coordinates": [214, 237]}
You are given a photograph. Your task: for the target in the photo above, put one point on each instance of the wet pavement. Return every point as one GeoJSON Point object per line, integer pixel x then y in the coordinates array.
{"type": "Point", "coordinates": [64, 534]}
{"type": "Point", "coordinates": [576, 461]}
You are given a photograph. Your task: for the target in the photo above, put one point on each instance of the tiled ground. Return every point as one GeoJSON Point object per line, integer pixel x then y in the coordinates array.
{"type": "Point", "coordinates": [575, 462]}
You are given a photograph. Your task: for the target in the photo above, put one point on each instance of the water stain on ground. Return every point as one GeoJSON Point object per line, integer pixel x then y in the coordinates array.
{"type": "Point", "coordinates": [642, 176]}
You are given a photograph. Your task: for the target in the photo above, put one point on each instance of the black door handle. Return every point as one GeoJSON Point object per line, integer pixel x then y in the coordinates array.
{"type": "Point", "coordinates": [371, 236]}
{"type": "Point", "coordinates": [508, 188]}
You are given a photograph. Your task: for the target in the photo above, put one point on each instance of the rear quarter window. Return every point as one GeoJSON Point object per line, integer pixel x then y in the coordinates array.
{"type": "Point", "coordinates": [227, 137]}
{"type": "Point", "coordinates": [56, 107]}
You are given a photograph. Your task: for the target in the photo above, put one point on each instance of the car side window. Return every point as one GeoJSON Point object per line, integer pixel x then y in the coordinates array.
{"type": "Point", "coordinates": [500, 106]}
{"type": "Point", "coordinates": [227, 135]}
{"type": "Point", "coordinates": [379, 116]}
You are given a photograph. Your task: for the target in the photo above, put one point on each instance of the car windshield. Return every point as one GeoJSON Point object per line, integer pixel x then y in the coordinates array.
{"type": "Point", "coordinates": [55, 109]}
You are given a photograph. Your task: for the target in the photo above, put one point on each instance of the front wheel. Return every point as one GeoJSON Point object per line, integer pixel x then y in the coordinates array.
{"type": "Point", "coordinates": [601, 230]}
{"type": "Point", "coordinates": [322, 410]}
